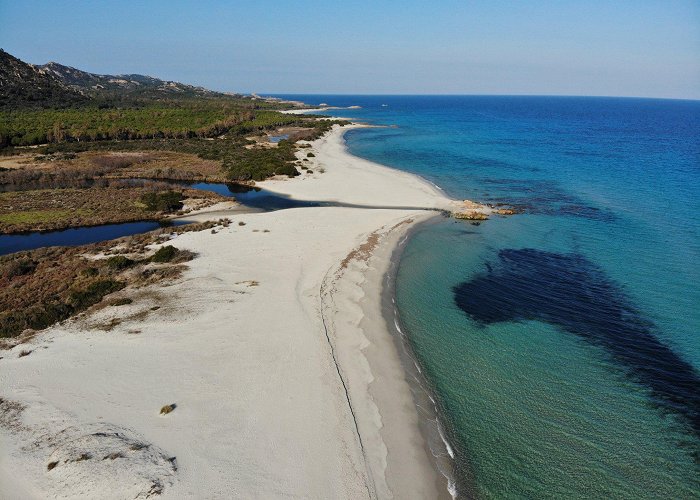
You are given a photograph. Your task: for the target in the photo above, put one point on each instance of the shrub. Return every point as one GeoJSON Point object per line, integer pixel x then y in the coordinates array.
{"type": "Point", "coordinates": [110, 163]}
{"type": "Point", "coordinates": [121, 302]}
{"type": "Point", "coordinates": [167, 201]}
{"type": "Point", "coordinates": [90, 271]}
{"type": "Point", "coordinates": [286, 169]}
{"type": "Point", "coordinates": [93, 293]}
{"type": "Point", "coordinates": [119, 262]}
{"type": "Point", "coordinates": [167, 408]}
{"type": "Point", "coordinates": [36, 317]}
{"type": "Point", "coordinates": [41, 316]}
{"type": "Point", "coordinates": [165, 254]}
{"type": "Point", "coordinates": [19, 268]}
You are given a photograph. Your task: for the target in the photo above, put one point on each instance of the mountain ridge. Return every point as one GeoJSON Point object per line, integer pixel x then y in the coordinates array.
{"type": "Point", "coordinates": [22, 85]}
{"type": "Point", "coordinates": [55, 85]}
{"type": "Point", "coordinates": [130, 83]}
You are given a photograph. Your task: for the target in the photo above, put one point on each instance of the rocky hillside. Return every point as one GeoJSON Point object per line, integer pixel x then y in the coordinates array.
{"type": "Point", "coordinates": [23, 85]}
{"type": "Point", "coordinates": [53, 85]}
{"type": "Point", "coordinates": [113, 86]}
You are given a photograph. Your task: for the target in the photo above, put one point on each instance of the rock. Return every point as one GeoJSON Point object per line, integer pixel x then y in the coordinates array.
{"type": "Point", "coordinates": [470, 204]}
{"type": "Point", "coordinates": [471, 215]}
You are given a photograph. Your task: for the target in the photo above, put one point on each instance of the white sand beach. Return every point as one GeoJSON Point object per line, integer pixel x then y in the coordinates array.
{"type": "Point", "coordinates": [286, 380]}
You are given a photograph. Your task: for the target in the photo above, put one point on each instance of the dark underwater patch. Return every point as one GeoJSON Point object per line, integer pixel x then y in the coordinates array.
{"type": "Point", "coordinates": [569, 291]}
{"type": "Point", "coordinates": [543, 197]}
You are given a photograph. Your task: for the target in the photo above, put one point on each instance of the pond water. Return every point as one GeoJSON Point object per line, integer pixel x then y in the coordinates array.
{"type": "Point", "coordinates": [278, 138]}
{"type": "Point", "coordinates": [10, 243]}
{"type": "Point", "coordinates": [257, 198]}
{"type": "Point", "coordinates": [251, 197]}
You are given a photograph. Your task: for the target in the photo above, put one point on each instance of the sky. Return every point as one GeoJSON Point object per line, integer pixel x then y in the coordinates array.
{"type": "Point", "coordinates": [556, 47]}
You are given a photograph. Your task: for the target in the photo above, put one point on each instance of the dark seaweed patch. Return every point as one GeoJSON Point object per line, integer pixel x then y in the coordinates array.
{"type": "Point", "coordinates": [569, 291]}
{"type": "Point", "coordinates": [543, 197]}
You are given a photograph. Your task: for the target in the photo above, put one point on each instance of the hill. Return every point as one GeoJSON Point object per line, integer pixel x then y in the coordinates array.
{"type": "Point", "coordinates": [67, 110]}
{"type": "Point", "coordinates": [122, 86]}
{"type": "Point", "coordinates": [25, 86]}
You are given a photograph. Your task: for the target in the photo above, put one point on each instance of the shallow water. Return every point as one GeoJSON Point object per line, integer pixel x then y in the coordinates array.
{"type": "Point", "coordinates": [563, 344]}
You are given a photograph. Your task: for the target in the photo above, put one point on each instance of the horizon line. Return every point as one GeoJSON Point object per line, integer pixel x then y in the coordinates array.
{"type": "Point", "coordinates": [345, 94]}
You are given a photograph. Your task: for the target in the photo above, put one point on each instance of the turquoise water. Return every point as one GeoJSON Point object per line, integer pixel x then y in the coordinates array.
{"type": "Point", "coordinates": [562, 344]}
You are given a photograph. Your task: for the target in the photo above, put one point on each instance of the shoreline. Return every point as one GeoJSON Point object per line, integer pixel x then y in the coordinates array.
{"type": "Point", "coordinates": [404, 428]}
{"type": "Point", "coordinates": [422, 393]}
{"type": "Point", "coordinates": [283, 358]}
{"type": "Point", "coordinates": [382, 275]}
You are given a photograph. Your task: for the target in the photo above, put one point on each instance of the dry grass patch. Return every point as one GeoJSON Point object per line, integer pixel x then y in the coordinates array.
{"type": "Point", "coordinates": [41, 287]}
{"type": "Point", "coordinates": [167, 409]}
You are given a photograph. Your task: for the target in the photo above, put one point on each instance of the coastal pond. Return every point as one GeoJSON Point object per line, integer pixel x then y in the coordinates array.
{"type": "Point", "coordinates": [250, 197]}
{"type": "Point", "coordinates": [10, 243]}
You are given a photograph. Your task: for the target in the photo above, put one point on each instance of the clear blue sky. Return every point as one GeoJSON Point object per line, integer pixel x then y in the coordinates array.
{"type": "Point", "coordinates": [585, 47]}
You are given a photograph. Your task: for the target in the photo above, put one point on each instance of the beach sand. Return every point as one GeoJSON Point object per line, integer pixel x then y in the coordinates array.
{"type": "Point", "coordinates": [272, 346]}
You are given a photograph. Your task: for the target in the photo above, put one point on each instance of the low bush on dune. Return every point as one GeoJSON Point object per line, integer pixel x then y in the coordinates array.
{"type": "Point", "coordinates": [56, 308]}
{"type": "Point", "coordinates": [119, 262]}
{"type": "Point", "coordinates": [167, 408]}
{"type": "Point", "coordinates": [94, 292]}
{"type": "Point", "coordinates": [123, 301]}
{"type": "Point", "coordinates": [287, 169]}
{"type": "Point", "coordinates": [165, 254]}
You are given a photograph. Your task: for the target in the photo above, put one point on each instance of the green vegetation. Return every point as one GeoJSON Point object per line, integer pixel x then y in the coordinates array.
{"type": "Point", "coordinates": [165, 254]}
{"type": "Point", "coordinates": [184, 119]}
{"type": "Point", "coordinates": [259, 163]}
{"type": "Point", "coordinates": [22, 211]}
{"type": "Point", "coordinates": [123, 301]}
{"type": "Point", "coordinates": [54, 307]}
{"type": "Point", "coordinates": [71, 111]}
{"type": "Point", "coordinates": [19, 267]}
{"type": "Point", "coordinates": [92, 294]}
{"type": "Point", "coordinates": [38, 216]}
{"type": "Point", "coordinates": [119, 262]}
{"type": "Point", "coordinates": [209, 130]}
{"type": "Point", "coordinates": [188, 119]}
{"type": "Point", "coordinates": [167, 201]}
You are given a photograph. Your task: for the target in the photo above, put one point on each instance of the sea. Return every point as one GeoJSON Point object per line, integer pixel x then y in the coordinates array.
{"type": "Point", "coordinates": [562, 344]}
